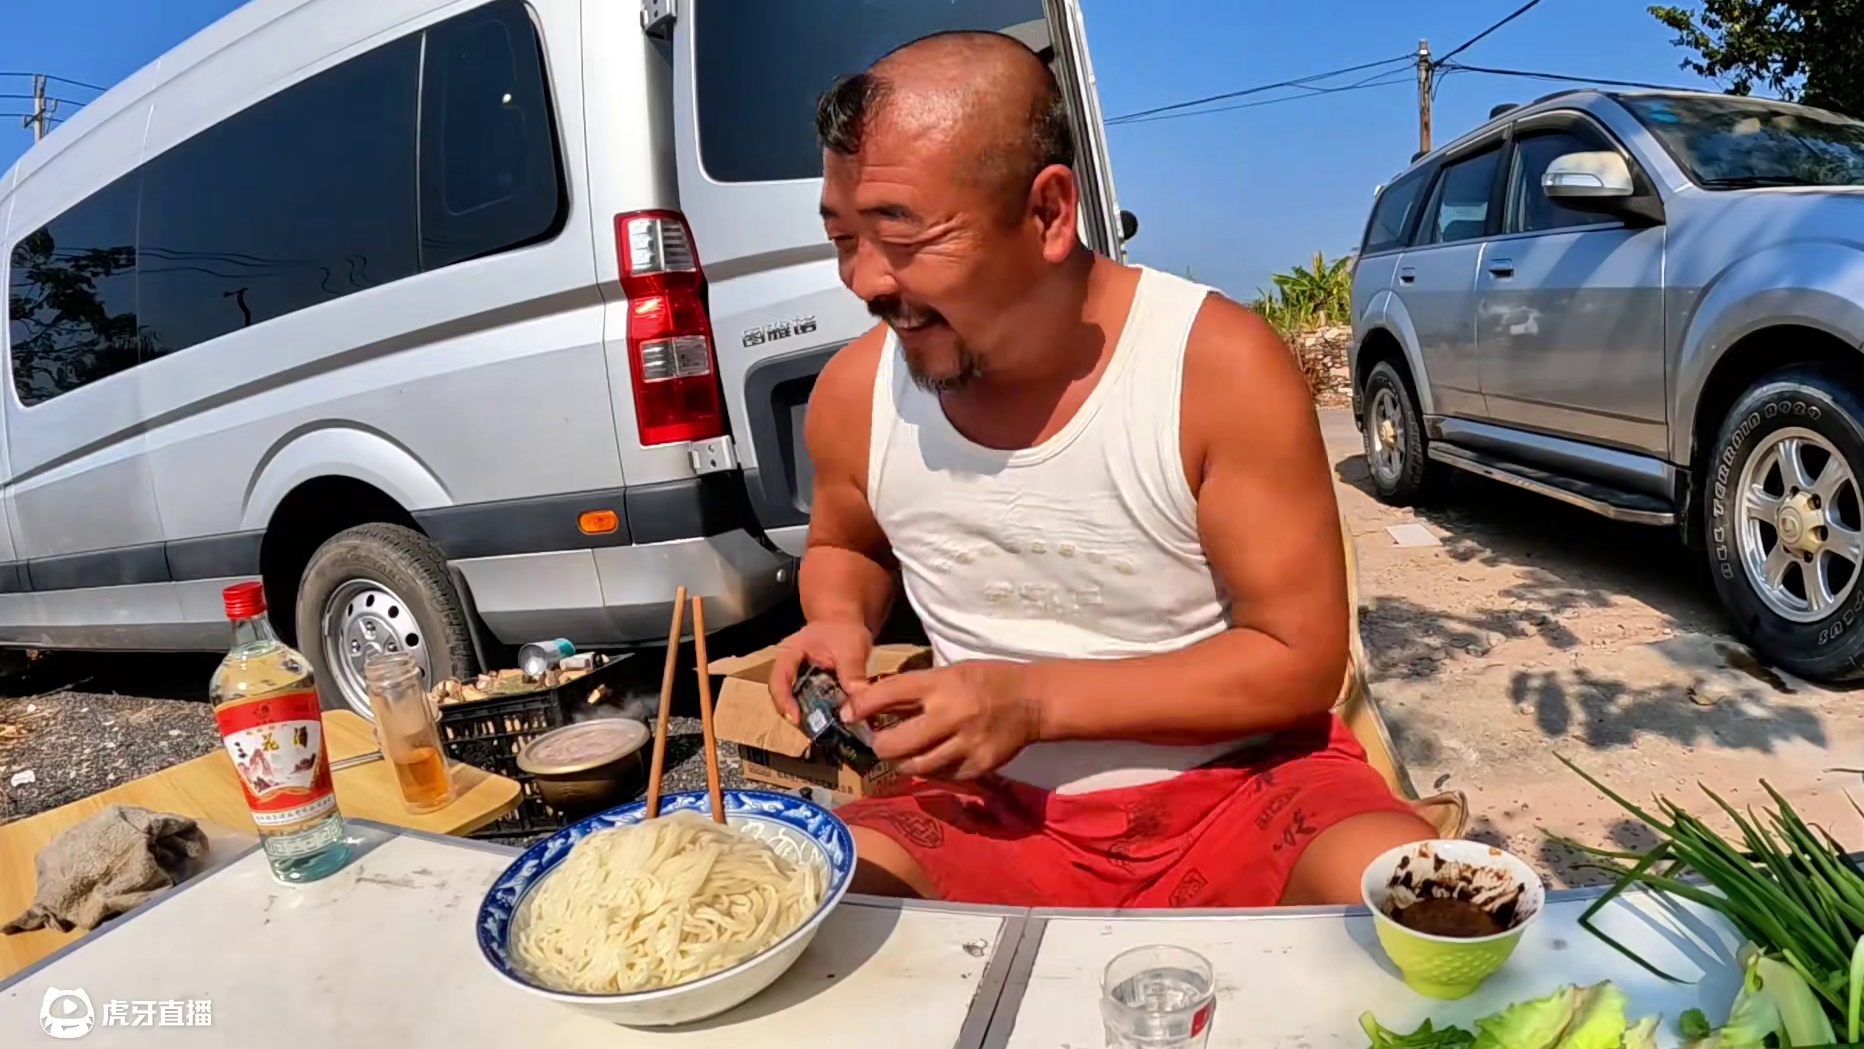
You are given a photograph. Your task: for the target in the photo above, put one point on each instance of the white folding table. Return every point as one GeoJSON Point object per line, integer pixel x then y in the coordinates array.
{"type": "Point", "coordinates": [382, 954]}
{"type": "Point", "coordinates": [1301, 978]}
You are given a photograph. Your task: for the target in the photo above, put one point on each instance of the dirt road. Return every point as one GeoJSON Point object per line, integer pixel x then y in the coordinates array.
{"type": "Point", "coordinates": [1537, 630]}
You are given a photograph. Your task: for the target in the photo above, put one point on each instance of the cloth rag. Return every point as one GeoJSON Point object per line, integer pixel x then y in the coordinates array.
{"type": "Point", "coordinates": [107, 865]}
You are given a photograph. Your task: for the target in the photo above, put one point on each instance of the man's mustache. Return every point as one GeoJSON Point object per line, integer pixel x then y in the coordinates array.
{"type": "Point", "coordinates": [893, 310]}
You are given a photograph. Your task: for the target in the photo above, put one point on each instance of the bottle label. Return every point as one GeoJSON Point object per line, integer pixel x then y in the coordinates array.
{"type": "Point", "coordinates": [277, 746]}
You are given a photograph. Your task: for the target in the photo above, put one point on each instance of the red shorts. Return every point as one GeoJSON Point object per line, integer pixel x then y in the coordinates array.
{"type": "Point", "coordinates": [1221, 835]}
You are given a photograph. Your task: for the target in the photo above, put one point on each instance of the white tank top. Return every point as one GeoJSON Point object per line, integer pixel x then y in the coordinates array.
{"type": "Point", "coordinates": [1082, 547]}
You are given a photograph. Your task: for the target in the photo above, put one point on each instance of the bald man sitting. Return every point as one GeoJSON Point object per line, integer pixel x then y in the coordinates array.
{"type": "Point", "coordinates": [1104, 490]}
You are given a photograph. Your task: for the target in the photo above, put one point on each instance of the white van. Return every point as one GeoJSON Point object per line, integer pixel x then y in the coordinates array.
{"type": "Point", "coordinates": [459, 324]}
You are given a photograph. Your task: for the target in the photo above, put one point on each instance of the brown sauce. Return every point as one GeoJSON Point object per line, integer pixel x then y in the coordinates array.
{"type": "Point", "coordinates": [1448, 917]}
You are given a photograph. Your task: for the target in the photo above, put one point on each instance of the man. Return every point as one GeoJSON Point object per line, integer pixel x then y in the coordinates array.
{"type": "Point", "coordinates": [1105, 490]}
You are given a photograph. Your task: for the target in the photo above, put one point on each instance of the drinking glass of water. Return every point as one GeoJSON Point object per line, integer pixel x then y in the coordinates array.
{"type": "Point", "coordinates": [1158, 997]}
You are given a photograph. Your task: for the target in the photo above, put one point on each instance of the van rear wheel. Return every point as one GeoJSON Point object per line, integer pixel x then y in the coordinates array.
{"type": "Point", "coordinates": [379, 588]}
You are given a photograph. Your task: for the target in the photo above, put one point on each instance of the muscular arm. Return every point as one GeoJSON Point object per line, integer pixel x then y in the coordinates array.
{"type": "Point", "coordinates": [1270, 527]}
{"type": "Point", "coordinates": [848, 567]}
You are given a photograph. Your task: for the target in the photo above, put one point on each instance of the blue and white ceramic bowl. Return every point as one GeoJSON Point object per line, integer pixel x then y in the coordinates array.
{"type": "Point", "coordinates": [800, 831]}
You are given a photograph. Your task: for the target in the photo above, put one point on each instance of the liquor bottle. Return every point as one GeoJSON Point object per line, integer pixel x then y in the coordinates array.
{"type": "Point", "coordinates": [265, 701]}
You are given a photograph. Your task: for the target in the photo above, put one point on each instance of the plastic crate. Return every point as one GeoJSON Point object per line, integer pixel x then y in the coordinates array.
{"type": "Point", "coordinates": [488, 733]}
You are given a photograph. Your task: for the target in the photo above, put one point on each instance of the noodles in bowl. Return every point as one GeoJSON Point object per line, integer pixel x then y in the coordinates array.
{"type": "Point", "coordinates": [660, 903]}
{"type": "Point", "coordinates": [628, 906]}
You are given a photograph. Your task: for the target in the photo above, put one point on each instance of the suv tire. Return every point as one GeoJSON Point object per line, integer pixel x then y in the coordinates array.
{"type": "Point", "coordinates": [1782, 500]}
{"type": "Point", "coordinates": [379, 587]}
{"type": "Point", "coordinates": [1393, 430]}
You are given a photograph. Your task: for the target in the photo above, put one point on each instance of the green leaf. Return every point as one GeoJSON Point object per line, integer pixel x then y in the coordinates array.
{"type": "Point", "coordinates": [1643, 1034]}
{"type": "Point", "coordinates": [1599, 1019]}
{"type": "Point", "coordinates": [1425, 1037]}
{"type": "Point", "coordinates": [1535, 1024]}
{"type": "Point", "coordinates": [1801, 1016]}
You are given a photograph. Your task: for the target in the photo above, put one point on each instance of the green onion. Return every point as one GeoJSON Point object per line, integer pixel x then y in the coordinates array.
{"type": "Point", "coordinates": [1788, 887]}
{"type": "Point", "coordinates": [1852, 1016]}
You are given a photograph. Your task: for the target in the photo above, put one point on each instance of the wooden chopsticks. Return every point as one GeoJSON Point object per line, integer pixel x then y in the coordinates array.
{"type": "Point", "coordinates": [715, 795]}
{"type": "Point", "coordinates": [705, 714]}
{"type": "Point", "coordinates": [659, 766]}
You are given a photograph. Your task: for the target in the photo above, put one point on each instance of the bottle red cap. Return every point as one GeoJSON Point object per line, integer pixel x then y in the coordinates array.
{"type": "Point", "coordinates": [244, 600]}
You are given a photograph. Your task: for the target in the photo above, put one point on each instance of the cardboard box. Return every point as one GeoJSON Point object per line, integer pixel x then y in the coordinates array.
{"type": "Point", "coordinates": [772, 750]}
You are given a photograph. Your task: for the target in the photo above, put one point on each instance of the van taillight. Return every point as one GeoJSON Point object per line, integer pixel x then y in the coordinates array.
{"type": "Point", "coordinates": [675, 371]}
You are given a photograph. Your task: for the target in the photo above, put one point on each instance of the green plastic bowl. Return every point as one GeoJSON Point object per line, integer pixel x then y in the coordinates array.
{"type": "Point", "coordinates": [1447, 966]}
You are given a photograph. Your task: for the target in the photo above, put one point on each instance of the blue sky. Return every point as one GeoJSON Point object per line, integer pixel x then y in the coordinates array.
{"type": "Point", "coordinates": [1234, 196]}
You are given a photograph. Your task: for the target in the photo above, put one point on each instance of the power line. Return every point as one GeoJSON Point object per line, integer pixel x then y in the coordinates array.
{"type": "Point", "coordinates": [1403, 76]}
{"type": "Point", "coordinates": [1258, 89]}
{"type": "Point", "coordinates": [1467, 44]}
{"type": "Point", "coordinates": [48, 98]}
{"type": "Point", "coordinates": [1565, 79]}
{"type": "Point", "coordinates": [60, 79]}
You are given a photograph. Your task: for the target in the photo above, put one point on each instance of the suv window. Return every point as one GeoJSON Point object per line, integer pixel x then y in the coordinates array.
{"type": "Point", "coordinates": [759, 67]}
{"type": "Point", "coordinates": [1533, 210]}
{"type": "Point", "coordinates": [1459, 207]}
{"type": "Point", "coordinates": [489, 166]}
{"type": "Point", "coordinates": [302, 198]}
{"type": "Point", "coordinates": [72, 309]}
{"type": "Point", "coordinates": [1392, 213]}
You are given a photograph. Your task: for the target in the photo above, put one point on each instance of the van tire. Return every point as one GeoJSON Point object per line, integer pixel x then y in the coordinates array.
{"type": "Point", "coordinates": [1829, 417]}
{"type": "Point", "coordinates": [1389, 399]}
{"type": "Point", "coordinates": [401, 562]}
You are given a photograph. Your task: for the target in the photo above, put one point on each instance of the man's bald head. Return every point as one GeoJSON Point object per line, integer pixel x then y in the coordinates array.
{"type": "Point", "coordinates": [986, 94]}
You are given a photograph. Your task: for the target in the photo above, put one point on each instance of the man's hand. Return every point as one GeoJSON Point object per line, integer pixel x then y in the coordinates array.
{"type": "Point", "coordinates": [966, 719]}
{"type": "Point", "coordinates": [836, 645]}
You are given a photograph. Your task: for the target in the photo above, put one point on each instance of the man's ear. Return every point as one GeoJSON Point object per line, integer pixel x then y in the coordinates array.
{"type": "Point", "coordinates": [1053, 199]}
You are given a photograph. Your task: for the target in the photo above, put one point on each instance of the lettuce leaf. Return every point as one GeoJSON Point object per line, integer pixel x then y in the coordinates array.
{"type": "Point", "coordinates": [1425, 1037]}
{"type": "Point", "coordinates": [1598, 1020]}
{"type": "Point", "coordinates": [1535, 1024]}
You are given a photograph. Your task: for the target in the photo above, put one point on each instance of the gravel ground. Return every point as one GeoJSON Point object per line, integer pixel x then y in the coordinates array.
{"type": "Point", "coordinates": [69, 745]}
{"type": "Point", "coordinates": [73, 725]}
{"type": "Point", "coordinates": [686, 759]}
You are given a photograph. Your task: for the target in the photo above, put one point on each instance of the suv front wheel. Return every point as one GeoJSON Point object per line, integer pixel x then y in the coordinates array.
{"type": "Point", "coordinates": [1785, 521]}
{"type": "Point", "coordinates": [1394, 434]}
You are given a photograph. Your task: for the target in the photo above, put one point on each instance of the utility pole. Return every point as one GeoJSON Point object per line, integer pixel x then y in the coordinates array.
{"type": "Point", "coordinates": [41, 112]}
{"type": "Point", "coordinates": [1423, 97]}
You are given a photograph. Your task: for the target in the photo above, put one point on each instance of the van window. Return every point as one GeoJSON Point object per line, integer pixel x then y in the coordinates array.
{"type": "Point", "coordinates": [1392, 213]}
{"type": "Point", "coordinates": [488, 152]}
{"type": "Point", "coordinates": [305, 197]}
{"type": "Point", "coordinates": [759, 67]}
{"type": "Point", "coordinates": [72, 296]}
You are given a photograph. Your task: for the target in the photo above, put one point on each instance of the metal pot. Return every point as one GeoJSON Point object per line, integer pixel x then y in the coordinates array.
{"type": "Point", "coordinates": [588, 767]}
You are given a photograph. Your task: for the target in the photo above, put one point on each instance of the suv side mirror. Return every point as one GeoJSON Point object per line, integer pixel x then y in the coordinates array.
{"type": "Point", "coordinates": [1588, 176]}
{"type": "Point", "coordinates": [1601, 182]}
{"type": "Point", "coordinates": [1129, 225]}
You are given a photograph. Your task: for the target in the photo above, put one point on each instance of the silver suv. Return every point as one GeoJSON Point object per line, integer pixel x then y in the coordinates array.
{"type": "Point", "coordinates": [1649, 305]}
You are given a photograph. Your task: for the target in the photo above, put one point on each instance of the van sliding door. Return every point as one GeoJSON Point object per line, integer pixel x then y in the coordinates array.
{"type": "Point", "coordinates": [746, 76]}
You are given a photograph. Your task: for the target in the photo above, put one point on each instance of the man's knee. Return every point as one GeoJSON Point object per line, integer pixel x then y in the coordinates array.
{"type": "Point", "coordinates": [1331, 867]}
{"type": "Point", "coordinates": [886, 869]}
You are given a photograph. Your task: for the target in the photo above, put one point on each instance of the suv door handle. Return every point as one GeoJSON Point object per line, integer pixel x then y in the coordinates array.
{"type": "Point", "coordinates": [1407, 275]}
{"type": "Point", "coordinates": [1503, 268]}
